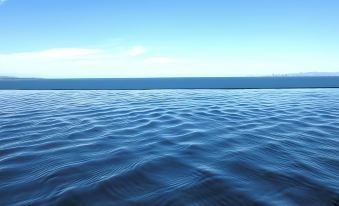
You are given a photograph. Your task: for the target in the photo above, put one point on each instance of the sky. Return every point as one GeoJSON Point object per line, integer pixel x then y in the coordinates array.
{"type": "Point", "coordinates": [167, 38]}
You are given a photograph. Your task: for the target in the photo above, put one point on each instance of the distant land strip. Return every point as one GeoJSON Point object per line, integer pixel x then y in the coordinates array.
{"type": "Point", "coordinates": [170, 83]}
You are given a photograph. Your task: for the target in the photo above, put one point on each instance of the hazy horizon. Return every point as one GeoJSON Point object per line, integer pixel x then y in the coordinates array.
{"type": "Point", "coordinates": [304, 74]}
{"type": "Point", "coordinates": [144, 38]}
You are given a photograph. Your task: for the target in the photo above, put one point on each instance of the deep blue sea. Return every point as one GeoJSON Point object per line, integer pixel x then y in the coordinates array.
{"type": "Point", "coordinates": [170, 147]}
{"type": "Point", "coordinates": [171, 83]}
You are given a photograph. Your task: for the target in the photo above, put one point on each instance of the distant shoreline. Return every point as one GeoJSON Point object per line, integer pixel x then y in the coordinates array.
{"type": "Point", "coordinates": [275, 82]}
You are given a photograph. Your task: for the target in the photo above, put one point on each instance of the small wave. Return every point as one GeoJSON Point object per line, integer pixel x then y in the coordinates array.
{"type": "Point", "coordinates": [170, 147]}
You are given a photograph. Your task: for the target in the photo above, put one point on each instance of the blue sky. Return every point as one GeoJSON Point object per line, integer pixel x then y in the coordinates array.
{"type": "Point", "coordinates": [151, 38]}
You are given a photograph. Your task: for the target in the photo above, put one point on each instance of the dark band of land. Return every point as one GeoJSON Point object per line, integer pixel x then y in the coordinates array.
{"type": "Point", "coordinates": [170, 83]}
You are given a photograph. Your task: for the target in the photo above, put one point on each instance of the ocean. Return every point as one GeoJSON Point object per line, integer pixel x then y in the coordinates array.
{"type": "Point", "coordinates": [170, 147]}
{"type": "Point", "coordinates": [171, 83]}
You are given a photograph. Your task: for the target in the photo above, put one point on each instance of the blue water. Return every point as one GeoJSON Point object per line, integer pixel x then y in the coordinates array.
{"type": "Point", "coordinates": [172, 83]}
{"type": "Point", "coordinates": [170, 147]}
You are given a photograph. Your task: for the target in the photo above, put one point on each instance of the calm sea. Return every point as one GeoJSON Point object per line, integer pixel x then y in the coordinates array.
{"type": "Point", "coordinates": [172, 83]}
{"type": "Point", "coordinates": [170, 147]}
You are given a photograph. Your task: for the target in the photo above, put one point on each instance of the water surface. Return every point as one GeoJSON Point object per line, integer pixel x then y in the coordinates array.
{"type": "Point", "coordinates": [170, 147]}
{"type": "Point", "coordinates": [172, 83]}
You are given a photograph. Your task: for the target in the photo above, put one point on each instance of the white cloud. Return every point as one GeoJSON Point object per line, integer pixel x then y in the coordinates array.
{"type": "Point", "coordinates": [136, 51]}
{"type": "Point", "coordinates": [115, 62]}
{"type": "Point", "coordinates": [160, 60]}
{"type": "Point", "coordinates": [74, 62]}
{"type": "Point", "coordinates": [68, 52]}
{"type": "Point", "coordinates": [84, 62]}
{"type": "Point", "coordinates": [57, 53]}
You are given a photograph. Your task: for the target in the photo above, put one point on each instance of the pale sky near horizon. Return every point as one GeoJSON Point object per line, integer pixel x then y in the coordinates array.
{"type": "Point", "coordinates": [150, 38]}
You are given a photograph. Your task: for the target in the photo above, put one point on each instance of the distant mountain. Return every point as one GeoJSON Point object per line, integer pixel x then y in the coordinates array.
{"type": "Point", "coordinates": [310, 74]}
{"type": "Point", "coordinates": [9, 78]}
{"type": "Point", "coordinates": [302, 74]}
{"type": "Point", "coordinates": [5, 77]}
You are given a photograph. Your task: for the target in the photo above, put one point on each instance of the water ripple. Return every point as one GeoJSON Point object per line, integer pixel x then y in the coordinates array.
{"type": "Point", "coordinates": [170, 147]}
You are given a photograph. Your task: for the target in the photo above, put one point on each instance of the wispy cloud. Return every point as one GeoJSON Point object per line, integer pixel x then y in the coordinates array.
{"type": "Point", "coordinates": [160, 60]}
{"type": "Point", "coordinates": [117, 62]}
{"type": "Point", "coordinates": [68, 52]}
{"type": "Point", "coordinates": [85, 62]}
{"type": "Point", "coordinates": [55, 53]}
{"type": "Point", "coordinates": [136, 51]}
